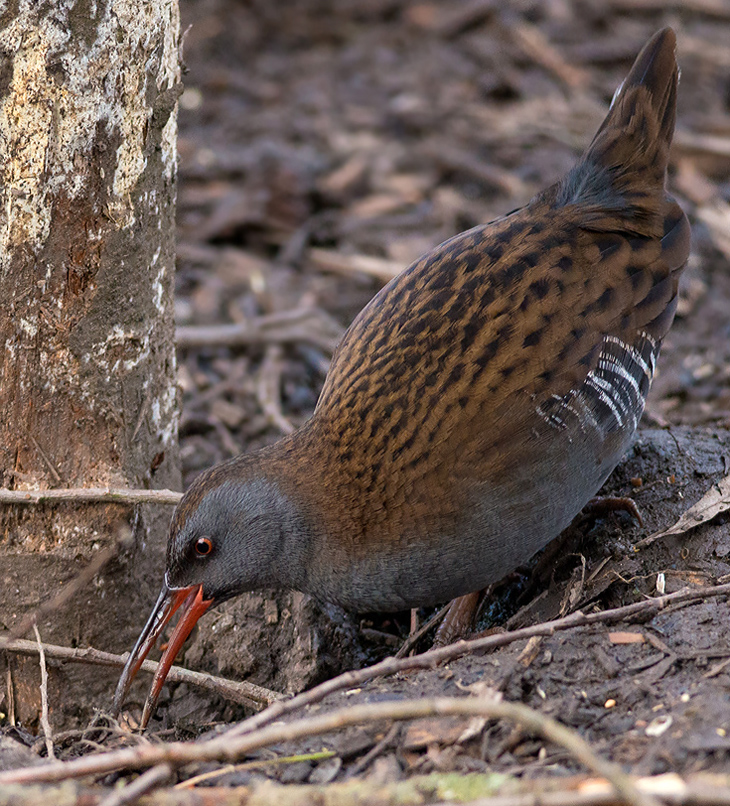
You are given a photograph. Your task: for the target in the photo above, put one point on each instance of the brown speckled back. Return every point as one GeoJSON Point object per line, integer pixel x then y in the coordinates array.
{"type": "Point", "coordinates": [484, 395]}
{"type": "Point", "coordinates": [435, 387]}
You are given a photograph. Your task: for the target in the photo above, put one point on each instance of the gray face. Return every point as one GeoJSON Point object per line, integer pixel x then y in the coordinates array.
{"type": "Point", "coordinates": [232, 541]}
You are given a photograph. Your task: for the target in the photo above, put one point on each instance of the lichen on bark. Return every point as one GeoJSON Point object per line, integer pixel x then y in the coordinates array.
{"type": "Point", "coordinates": [88, 124]}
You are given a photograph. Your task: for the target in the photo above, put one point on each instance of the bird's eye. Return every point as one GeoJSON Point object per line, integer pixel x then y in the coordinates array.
{"type": "Point", "coordinates": [203, 546]}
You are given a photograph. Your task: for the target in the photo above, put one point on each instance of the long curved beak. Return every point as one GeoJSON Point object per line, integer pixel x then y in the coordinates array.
{"type": "Point", "coordinates": [168, 602]}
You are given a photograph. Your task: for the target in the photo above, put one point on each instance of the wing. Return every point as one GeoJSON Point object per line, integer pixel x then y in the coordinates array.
{"type": "Point", "coordinates": [554, 312]}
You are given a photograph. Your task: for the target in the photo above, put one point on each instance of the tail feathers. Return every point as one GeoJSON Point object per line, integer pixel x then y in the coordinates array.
{"type": "Point", "coordinates": [621, 176]}
{"type": "Point", "coordinates": [649, 92]}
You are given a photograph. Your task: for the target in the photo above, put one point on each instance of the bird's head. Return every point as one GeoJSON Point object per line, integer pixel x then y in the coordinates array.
{"type": "Point", "coordinates": [229, 538]}
{"type": "Point", "coordinates": [232, 532]}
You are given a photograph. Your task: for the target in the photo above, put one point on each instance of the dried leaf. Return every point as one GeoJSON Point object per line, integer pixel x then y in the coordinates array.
{"type": "Point", "coordinates": [430, 730]}
{"type": "Point", "coordinates": [714, 502]}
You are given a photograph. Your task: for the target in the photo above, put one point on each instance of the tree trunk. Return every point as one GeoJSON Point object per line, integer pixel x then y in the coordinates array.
{"type": "Point", "coordinates": [88, 125]}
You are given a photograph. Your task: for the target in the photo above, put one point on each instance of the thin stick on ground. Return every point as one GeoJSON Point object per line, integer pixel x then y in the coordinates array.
{"type": "Point", "coordinates": [48, 463]}
{"type": "Point", "coordinates": [413, 639]}
{"type": "Point", "coordinates": [90, 495]}
{"type": "Point", "coordinates": [536, 47]}
{"type": "Point", "coordinates": [320, 332]}
{"type": "Point", "coordinates": [11, 695]}
{"type": "Point", "coordinates": [45, 721]}
{"type": "Point", "coordinates": [241, 692]}
{"type": "Point", "coordinates": [140, 786]}
{"type": "Point", "coordinates": [191, 783]}
{"type": "Point", "coordinates": [685, 795]}
{"type": "Point", "coordinates": [699, 790]}
{"type": "Point", "coordinates": [236, 741]}
{"type": "Point", "coordinates": [362, 764]}
{"type": "Point", "coordinates": [223, 748]}
{"type": "Point", "coordinates": [432, 658]}
{"type": "Point", "coordinates": [268, 388]}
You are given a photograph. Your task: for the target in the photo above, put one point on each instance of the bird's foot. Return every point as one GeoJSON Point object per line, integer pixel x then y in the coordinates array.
{"type": "Point", "coordinates": [602, 505]}
{"type": "Point", "coordinates": [459, 619]}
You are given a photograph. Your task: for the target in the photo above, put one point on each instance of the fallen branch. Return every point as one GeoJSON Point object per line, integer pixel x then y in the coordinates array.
{"type": "Point", "coordinates": [268, 389]}
{"type": "Point", "coordinates": [89, 495]}
{"type": "Point", "coordinates": [536, 46]}
{"type": "Point", "coordinates": [309, 325]}
{"type": "Point", "coordinates": [178, 754]}
{"type": "Point", "coordinates": [339, 263]}
{"type": "Point", "coordinates": [242, 692]}
{"type": "Point", "coordinates": [432, 658]}
{"type": "Point", "coordinates": [140, 786]}
{"type": "Point", "coordinates": [191, 783]}
{"type": "Point", "coordinates": [437, 788]}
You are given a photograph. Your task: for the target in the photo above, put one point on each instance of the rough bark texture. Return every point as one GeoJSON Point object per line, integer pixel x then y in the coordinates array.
{"type": "Point", "coordinates": [88, 124]}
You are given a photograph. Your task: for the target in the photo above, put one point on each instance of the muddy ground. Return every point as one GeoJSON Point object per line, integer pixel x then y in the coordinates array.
{"type": "Point", "coordinates": [323, 146]}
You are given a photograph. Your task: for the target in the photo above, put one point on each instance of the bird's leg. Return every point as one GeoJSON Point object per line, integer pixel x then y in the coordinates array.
{"type": "Point", "coordinates": [459, 619]}
{"type": "Point", "coordinates": [602, 505]}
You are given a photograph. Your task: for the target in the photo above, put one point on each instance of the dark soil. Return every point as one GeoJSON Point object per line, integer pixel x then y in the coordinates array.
{"type": "Point", "coordinates": [325, 144]}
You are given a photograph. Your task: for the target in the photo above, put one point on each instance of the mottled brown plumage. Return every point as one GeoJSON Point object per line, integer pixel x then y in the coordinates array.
{"type": "Point", "coordinates": [473, 407]}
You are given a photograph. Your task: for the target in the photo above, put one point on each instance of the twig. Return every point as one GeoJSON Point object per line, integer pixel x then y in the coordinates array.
{"type": "Point", "coordinates": [100, 559]}
{"type": "Point", "coordinates": [89, 495]}
{"type": "Point", "coordinates": [682, 796]}
{"type": "Point", "coordinates": [242, 692]}
{"type": "Point", "coordinates": [45, 721]}
{"type": "Point", "coordinates": [716, 8]}
{"type": "Point", "coordinates": [223, 748]}
{"type": "Point", "coordinates": [229, 443]}
{"type": "Point", "coordinates": [692, 142]}
{"type": "Point", "coordinates": [311, 325]}
{"type": "Point", "coordinates": [716, 217]}
{"type": "Point", "coordinates": [457, 159]}
{"type": "Point", "coordinates": [362, 764]}
{"type": "Point", "coordinates": [432, 658]}
{"type": "Point", "coordinates": [189, 783]}
{"type": "Point", "coordinates": [699, 790]}
{"type": "Point", "coordinates": [140, 786]}
{"type": "Point", "coordinates": [717, 669]}
{"type": "Point", "coordinates": [412, 640]}
{"type": "Point", "coordinates": [11, 694]}
{"type": "Point", "coordinates": [340, 263]}
{"type": "Point", "coordinates": [536, 47]}
{"type": "Point", "coordinates": [82, 734]}
{"type": "Point", "coordinates": [267, 389]}
{"type": "Point", "coordinates": [459, 17]}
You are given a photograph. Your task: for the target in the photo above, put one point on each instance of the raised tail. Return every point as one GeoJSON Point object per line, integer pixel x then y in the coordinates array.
{"type": "Point", "coordinates": [648, 97]}
{"type": "Point", "coordinates": [623, 171]}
